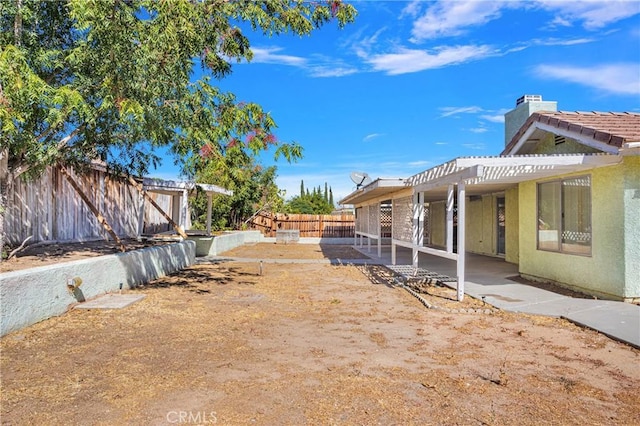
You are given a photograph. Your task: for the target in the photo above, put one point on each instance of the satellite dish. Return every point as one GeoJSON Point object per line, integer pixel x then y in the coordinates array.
{"type": "Point", "coordinates": [360, 179]}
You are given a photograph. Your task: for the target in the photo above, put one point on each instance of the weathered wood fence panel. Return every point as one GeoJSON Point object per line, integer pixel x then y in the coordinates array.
{"type": "Point", "coordinates": [49, 209]}
{"type": "Point", "coordinates": [309, 225]}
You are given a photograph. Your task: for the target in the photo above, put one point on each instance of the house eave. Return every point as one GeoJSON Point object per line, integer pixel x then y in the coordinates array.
{"type": "Point", "coordinates": [378, 188]}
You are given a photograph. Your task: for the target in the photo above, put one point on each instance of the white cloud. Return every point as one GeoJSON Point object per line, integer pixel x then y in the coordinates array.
{"type": "Point", "coordinates": [325, 71]}
{"type": "Point", "coordinates": [475, 146]}
{"type": "Point", "coordinates": [371, 137]}
{"type": "Point", "coordinates": [592, 14]}
{"type": "Point", "coordinates": [449, 111]}
{"type": "Point", "coordinates": [454, 18]}
{"type": "Point", "coordinates": [478, 129]}
{"type": "Point", "coordinates": [315, 66]}
{"type": "Point", "coordinates": [562, 42]}
{"type": "Point", "coordinates": [449, 18]}
{"type": "Point", "coordinates": [412, 60]}
{"type": "Point", "coordinates": [611, 78]}
{"type": "Point", "coordinates": [498, 117]}
{"type": "Point", "coordinates": [270, 56]}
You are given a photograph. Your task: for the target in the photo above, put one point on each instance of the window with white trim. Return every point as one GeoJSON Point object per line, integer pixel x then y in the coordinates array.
{"type": "Point", "coordinates": [564, 215]}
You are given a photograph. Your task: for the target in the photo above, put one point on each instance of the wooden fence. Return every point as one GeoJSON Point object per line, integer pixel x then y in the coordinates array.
{"type": "Point", "coordinates": [49, 209]}
{"type": "Point", "coordinates": [309, 225]}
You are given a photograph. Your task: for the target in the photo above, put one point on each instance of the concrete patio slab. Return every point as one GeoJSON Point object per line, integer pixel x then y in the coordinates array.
{"type": "Point", "coordinates": [620, 321]}
{"type": "Point", "coordinates": [111, 301]}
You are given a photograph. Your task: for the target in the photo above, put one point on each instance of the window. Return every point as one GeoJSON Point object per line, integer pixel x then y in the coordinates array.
{"type": "Point", "coordinates": [564, 215]}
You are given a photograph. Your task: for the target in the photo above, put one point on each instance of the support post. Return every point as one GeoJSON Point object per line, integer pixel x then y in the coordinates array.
{"type": "Point", "coordinates": [93, 208]}
{"type": "Point", "coordinates": [461, 240]}
{"type": "Point", "coordinates": [184, 208]}
{"type": "Point", "coordinates": [393, 253]}
{"type": "Point", "coordinates": [415, 201]}
{"type": "Point", "coordinates": [450, 219]}
{"type": "Point", "coordinates": [209, 204]}
{"type": "Point", "coordinates": [379, 230]}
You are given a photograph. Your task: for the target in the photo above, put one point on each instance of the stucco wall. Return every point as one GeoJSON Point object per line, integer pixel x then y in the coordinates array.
{"type": "Point", "coordinates": [35, 294]}
{"type": "Point", "coordinates": [547, 145]}
{"type": "Point", "coordinates": [631, 197]}
{"type": "Point", "coordinates": [481, 225]}
{"type": "Point", "coordinates": [603, 272]}
{"type": "Point", "coordinates": [438, 212]}
{"type": "Point", "coordinates": [512, 249]}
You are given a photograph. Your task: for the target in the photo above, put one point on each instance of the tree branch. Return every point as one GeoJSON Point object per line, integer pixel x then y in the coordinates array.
{"type": "Point", "coordinates": [14, 252]}
{"type": "Point", "coordinates": [23, 168]}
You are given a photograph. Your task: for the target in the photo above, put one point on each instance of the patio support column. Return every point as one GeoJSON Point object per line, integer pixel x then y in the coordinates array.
{"type": "Point", "coordinates": [461, 240]}
{"type": "Point", "coordinates": [393, 253]}
{"type": "Point", "coordinates": [209, 203]}
{"type": "Point", "coordinates": [450, 219]}
{"type": "Point", "coordinates": [417, 225]}
{"type": "Point", "coordinates": [184, 209]}
{"type": "Point", "coordinates": [379, 231]}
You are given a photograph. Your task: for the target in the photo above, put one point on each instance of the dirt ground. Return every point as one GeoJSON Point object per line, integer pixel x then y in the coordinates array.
{"type": "Point", "coordinates": [47, 254]}
{"type": "Point", "coordinates": [311, 344]}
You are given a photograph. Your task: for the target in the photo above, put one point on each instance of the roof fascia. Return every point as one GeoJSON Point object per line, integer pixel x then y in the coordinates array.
{"type": "Point", "coordinates": [453, 178]}
{"type": "Point", "coordinates": [390, 183]}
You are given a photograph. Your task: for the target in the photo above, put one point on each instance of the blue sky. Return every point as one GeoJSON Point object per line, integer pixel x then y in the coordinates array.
{"type": "Point", "coordinates": [412, 84]}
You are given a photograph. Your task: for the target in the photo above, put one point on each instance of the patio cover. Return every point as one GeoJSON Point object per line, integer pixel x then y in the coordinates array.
{"type": "Point", "coordinates": [480, 175]}
{"type": "Point", "coordinates": [487, 174]}
{"type": "Point", "coordinates": [471, 176]}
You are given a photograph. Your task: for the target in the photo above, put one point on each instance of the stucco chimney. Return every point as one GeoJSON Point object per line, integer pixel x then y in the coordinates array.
{"type": "Point", "coordinates": [525, 106]}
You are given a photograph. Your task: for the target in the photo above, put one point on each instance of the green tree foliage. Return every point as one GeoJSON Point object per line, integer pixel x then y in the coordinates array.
{"type": "Point", "coordinates": [315, 202]}
{"type": "Point", "coordinates": [113, 80]}
{"type": "Point", "coordinates": [254, 188]}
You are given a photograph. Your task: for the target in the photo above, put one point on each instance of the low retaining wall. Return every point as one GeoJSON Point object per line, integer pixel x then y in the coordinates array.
{"type": "Point", "coordinates": [213, 246]}
{"type": "Point", "coordinates": [35, 294]}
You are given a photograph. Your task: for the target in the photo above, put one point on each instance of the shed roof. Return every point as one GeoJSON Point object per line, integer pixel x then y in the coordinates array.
{"type": "Point", "coordinates": [172, 187]}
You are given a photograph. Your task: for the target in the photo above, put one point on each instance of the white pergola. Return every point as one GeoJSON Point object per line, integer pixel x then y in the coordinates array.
{"type": "Point", "coordinates": [379, 188]}
{"type": "Point", "coordinates": [180, 192]}
{"type": "Point", "coordinates": [476, 176]}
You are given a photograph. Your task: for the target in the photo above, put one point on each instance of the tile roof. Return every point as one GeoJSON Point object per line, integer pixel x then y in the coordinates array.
{"type": "Point", "coordinates": [612, 128]}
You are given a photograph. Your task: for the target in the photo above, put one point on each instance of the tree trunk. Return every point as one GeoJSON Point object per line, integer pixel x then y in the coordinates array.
{"type": "Point", "coordinates": [4, 195]}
